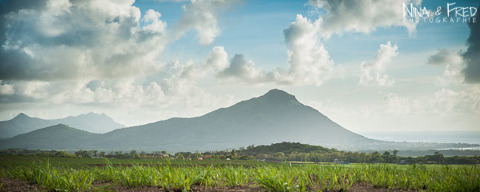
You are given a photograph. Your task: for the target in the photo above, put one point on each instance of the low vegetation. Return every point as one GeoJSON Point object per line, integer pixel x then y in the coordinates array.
{"type": "Point", "coordinates": [180, 176]}
{"type": "Point", "coordinates": [278, 152]}
{"type": "Point", "coordinates": [277, 167]}
{"type": "Point", "coordinates": [286, 151]}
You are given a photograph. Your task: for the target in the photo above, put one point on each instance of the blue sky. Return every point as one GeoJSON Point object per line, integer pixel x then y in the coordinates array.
{"type": "Point", "coordinates": [255, 29]}
{"type": "Point", "coordinates": [142, 61]}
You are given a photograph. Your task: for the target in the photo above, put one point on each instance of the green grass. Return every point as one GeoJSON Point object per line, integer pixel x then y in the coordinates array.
{"type": "Point", "coordinates": [81, 174]}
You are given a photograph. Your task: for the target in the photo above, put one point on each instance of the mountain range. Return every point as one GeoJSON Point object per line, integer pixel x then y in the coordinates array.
{"type": "Point", "coordinates": [271, 118]}
{"type": "Point", "coordinates": [91, 122]}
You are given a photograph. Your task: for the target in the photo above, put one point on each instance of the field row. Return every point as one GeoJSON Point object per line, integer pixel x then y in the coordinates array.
{"type": "Point", "coordinates": [271, 177]}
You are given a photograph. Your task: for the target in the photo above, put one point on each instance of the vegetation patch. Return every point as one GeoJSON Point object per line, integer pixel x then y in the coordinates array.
{"type": "Point", "coordinates": [175, 175]}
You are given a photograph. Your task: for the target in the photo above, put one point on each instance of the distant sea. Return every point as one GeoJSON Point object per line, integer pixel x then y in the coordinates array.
{"type": "Point", "coordinates": [432, 137]}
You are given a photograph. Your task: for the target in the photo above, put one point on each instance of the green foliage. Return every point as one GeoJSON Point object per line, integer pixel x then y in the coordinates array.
{"type": "Point", "coordinates": [284, 147]}
{"type": "Point", "coordinates": [235, 176]}
{"type": "Point", "coordinates": [275, 180]}
{"type": "Point", "coordinates": [179, 176]}
{"type": "Point", "coordinates": [56, 179]}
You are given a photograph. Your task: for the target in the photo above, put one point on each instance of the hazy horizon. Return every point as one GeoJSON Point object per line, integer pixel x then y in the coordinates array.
{"type": "Point", "coordinates": [142, 61]}
{"type": "Point", "coordinates": [422, 136]}
{"type": "Point", "coordinates": [398, 136]}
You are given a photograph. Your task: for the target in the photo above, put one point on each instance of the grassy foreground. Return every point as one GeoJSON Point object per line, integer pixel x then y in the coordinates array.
{"type": "Point", "coordinates": [85, 174]}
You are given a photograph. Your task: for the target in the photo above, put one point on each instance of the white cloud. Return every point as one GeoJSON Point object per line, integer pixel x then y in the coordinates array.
{"type": "Point", "coordinates": [242, 69]}
{"type": "Point", "coordinates": [445, 57]}
{"type": "Point", "coordinates": [454, 65]}
{"type": "Point", "coordinates": [154, 24]}
{"type": "Point", "coordinates": [174, 88]}
{"type": "Point", "coordinates": [80, 40]}
{"type": "Point", "coordinates": [362, 15]}
{"type": "Point", "coordinates": [128, 93]}
{"type": "Point", "coordinates": [172, 0]}
{"type": "Point", "coordinates": [442, 102]}
{"type": "Point", "coordinates": [472, 55]}
{"type": "Point", "coordinates": [452, 75]}
{"type": "Point", "coordinates": [201, 15]}
{"type": "Point", "coordinates": [396, 105]}
{"type": "Point", "coordinates": [6, 89]}
{"type": "Point", "coordinates": [33, 89]}
{"type": "Point", "coordinates": [309, 61]}
{"type": "Point", "coordinates": [461, 65]}
{"type": "Point", "coordinates": [435, 111]}
{"type": "Point", "coordinates": [217, 59]}
{"type": "Point", "coordinates": [374, 73]}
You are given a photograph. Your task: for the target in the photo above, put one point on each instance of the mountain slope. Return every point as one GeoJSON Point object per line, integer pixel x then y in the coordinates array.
{"type": "Point", "coordinates": [21, 124]}
{"type": "Point", "coordinates": [274, 117]}
{"type": "Point", "coordinates": [54, 137]}
{"type": "Point", "coordinates": [90, 122]}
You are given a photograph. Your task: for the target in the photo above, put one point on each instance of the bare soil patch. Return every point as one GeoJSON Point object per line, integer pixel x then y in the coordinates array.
{"type": "Point", "coordinates": [17, 185]}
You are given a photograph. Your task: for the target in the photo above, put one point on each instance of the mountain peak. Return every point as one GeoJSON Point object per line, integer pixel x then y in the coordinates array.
{"type": "Point", "coordinates": [21, 116]}
{"type": "Point", "coordinates": [277, 92]}
{"type": "Point", "coordinates": [277, 95]}
{"type": "Point", "coordinates": [87, 114]}
{"type": "Point", "coordinates": [92, 115]}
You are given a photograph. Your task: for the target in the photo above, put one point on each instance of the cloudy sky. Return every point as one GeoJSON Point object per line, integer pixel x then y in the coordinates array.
{"type": "Point", "coordinates": [369, 65]}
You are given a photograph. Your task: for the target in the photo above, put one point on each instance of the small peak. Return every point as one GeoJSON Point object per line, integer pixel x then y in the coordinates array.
{"type": "Point", "coordinates": [21, 116]}
{"type": "Point", "coordinates": [59, 126]}
{"type": "Point", "coordinates": [277, 95]}
{"type": "Point", "coordinates": [89, 114]}
{"type": "Point", "coordinates": [277, 92]}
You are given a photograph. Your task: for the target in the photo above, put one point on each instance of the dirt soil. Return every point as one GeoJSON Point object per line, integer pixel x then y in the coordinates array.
{"type": "Point", "coordinates": [17, 185]}
{"type": "Point", "coordinates": [20, 185]}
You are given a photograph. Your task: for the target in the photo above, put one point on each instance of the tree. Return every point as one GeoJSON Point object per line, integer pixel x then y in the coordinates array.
{"type": "Point", "coordinates": [395, 159]}
{"type": "Point", "coordinates": [198, 155]}
{"type": "Point", "coordinates": [375, 157]}
{"type": "Point", "coordinates": [262, 156]}
{"type": "Point", "coordinates": [179, 156]}
{"type": "Point", "coordinates": [118, 153]}
{"type": "Point", "coordinates": [83, 153]}
{"type": "Point", "coordinates": [233, 153]}
{"type": "Point", "coordinates": [133, 154]}
{"type": "Point", "coordinates": [279, 155]}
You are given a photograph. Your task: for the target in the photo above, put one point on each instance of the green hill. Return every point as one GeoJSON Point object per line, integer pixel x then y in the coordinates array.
{"type": "Point", "coordinates": [91, 122]}
{"type": "Point", "coordinates": [284, 147]}
{"type": "Point", "coordinates": [55, 137]}
{"type": "Point", "coordinates": [271, 118]}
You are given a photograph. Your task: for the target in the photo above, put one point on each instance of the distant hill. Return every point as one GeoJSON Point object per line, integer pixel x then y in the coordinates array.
{"type": "Point", "coordinates": [284, 147]}
{"type": "Point", "coordinates": [55, 137]}
{"type": "Point", "coordinates": [274, 117]}
{"type": "Point", "coordinates": [271, 118]}
{"type": "Point", "coordinates": [91, 122]}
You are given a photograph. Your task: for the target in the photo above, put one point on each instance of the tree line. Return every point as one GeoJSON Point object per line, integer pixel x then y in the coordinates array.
{"type": "Point", "coordinates": [278, 152]}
